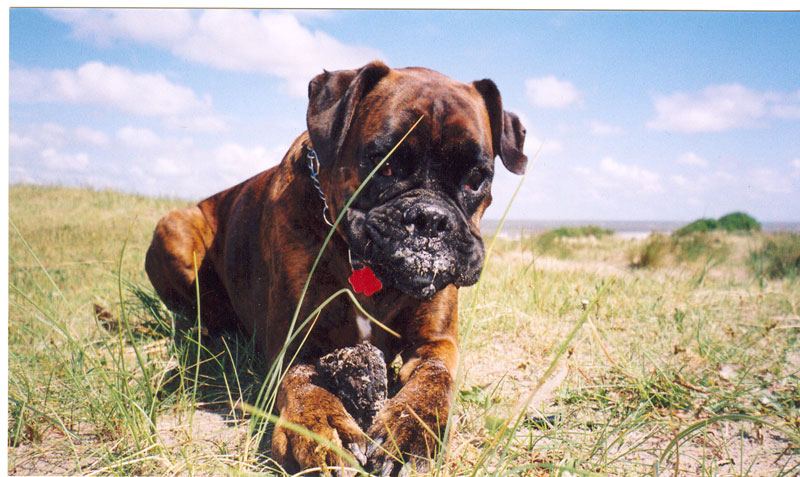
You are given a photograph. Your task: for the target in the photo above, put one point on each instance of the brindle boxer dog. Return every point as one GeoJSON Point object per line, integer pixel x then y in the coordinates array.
{"type": "Point", "coordinates": [416, 224]}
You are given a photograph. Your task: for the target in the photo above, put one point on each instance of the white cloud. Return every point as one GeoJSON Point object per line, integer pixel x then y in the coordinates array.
{"type": "Point", "coordinates": [51, 134]}
{"type": "Point", "coordinates": [794, 167]}
{"type": "Point", "coordinates": [549, 147]}
{"type": "Point", "coordinates": [96, 83]}
{"type": "Point", "coordinates": [549, 92]}
{"type": "Point", "coordinates": [241, 161]}
{"type": "Point", "coordinates": [202, 123]}
{"type": "Point", "coordinates": [691, 159]}
{"type": "Point", "coordinates": [769, 181]}
{"type": "Point", "coordinates": [145, 25]}
{"type": "Point", "coordinates": [65, 161]}
{"type": "Point", "coordinates": [314, 13]}
{"type": "Point", "coordinates": [602, 129]}
{"type": "Point", "coordinates": [689, 184]}
{"type": "Point", "coordinates": [166, 166]}
{"type": "Point", "coordinates": [144, 94]}
{"type": "Point", "coordinates": [269, 42]}
{"type": "Point", "coordinates": [786, 106]}
{"type": "Point", "coordinates": [585, 171]}
{"type": "Point", "coordinates": [533, 142]}
{"type": "Point", "coordinates": [191, 171]}
{"type": "Point", "coordinates": [786, 111]}
{"type": "Point", "coordinates": [633, 175]}
{"type": "Point", "coordinates": [40, 136]}
{"type": "Point", "coordinates": [694, 202]}
{"type": "Point", "coordinates": [143, 161]}
{"type": "Point", "coordinates": [611, 179]}
{"type": "Point", "coordinates": [18, 141]}
{"type": "Point", "coordinates": [91, 136]}
{"type": "Point", "coordinates": [755, 182]}
{"type": "Point", "coordinates": [137, 138]}
{"type": "Point", "coordinates": [720, 108]}
{"type": "Point", "coordinates": [680, 180]}
{"type": "Point", "coordinates": [592, 183]}
{"type": "Point", "coordinates": [725, 178]}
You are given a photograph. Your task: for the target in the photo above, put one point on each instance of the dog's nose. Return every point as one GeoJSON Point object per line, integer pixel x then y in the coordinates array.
{"type": "Point", "coordinates": [429, 220]}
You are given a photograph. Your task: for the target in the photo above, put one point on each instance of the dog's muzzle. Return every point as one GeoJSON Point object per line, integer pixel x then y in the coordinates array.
{"type": "Point", "coordinates": [417, 242]}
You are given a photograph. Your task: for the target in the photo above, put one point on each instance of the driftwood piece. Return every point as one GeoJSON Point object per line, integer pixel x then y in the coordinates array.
{"type": "Point", "coordinates": [356, 375]}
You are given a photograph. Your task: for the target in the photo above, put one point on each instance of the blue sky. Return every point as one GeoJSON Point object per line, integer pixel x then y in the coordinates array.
{"type": "Point", "coordinates": [640, 115]}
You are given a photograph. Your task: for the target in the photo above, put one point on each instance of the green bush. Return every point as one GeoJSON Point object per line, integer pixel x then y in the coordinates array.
{"type": "Point", "coordinates": [739, 221]}
{"type": "Point", "coordinates": [700, 225]}
{"type": "Point", "coordinates": [779, 257]}
{"type": "Point", "coordinates": [733, 222]}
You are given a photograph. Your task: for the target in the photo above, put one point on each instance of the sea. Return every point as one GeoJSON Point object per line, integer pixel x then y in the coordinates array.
{"type": "Point", "coordinates": [632, 229]}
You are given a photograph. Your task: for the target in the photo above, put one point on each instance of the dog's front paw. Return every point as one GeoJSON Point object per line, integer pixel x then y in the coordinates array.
{"type": "Point", "coordinates": [330, 433]}
{"type": "Point", "coordinates": [403, 437]}
{"type": "Point", "coordinates": [406, 433]}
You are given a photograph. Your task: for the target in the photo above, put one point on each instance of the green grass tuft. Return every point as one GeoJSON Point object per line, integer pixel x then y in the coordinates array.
{"type": "Point", "coordinates": [560, 242]}
{"type": "Point", "coordinates": [583, 231]}
{"type": "Point", "coordinates": [652, 252]}
{"type": "Point", "coordinates": [778, 257]}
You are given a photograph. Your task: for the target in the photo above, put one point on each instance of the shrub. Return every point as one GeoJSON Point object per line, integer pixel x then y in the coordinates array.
{"type": "Point", "coordinates": [700, 225]}
{"type": "Point", "coordinates": [733, 222]}
{"type": "Point", "coordinates": [739, 221]}
{"type": "Point", "coordinates": [779, 257]}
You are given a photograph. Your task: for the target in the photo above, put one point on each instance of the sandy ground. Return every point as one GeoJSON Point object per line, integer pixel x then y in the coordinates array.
{"type": "Point", "coordinates": [204, 437]}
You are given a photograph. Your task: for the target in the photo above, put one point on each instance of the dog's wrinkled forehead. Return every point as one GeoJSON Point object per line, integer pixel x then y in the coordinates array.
{"type": "Point", "coordinates": [349, 104]}
{"type": "Point", "coordinates": [453, 111]}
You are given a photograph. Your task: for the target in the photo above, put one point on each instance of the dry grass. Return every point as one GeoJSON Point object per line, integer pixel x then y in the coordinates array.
{"type": "Point", "coordinates": [692, 364]}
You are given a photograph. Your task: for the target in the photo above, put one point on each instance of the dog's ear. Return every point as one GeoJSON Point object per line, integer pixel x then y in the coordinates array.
{"type": "Point", "coordinates": [332, 100]}
{"type": "Point", "coordinates": [508, 133]}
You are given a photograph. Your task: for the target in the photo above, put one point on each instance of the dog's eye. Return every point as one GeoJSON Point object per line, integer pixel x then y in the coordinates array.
{"type": "Point", "coordinates": [475, 180]}
{"type": "Point", "coordinates": [386, 169]}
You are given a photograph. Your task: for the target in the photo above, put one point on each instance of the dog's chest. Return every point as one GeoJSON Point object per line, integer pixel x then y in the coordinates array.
{"type": "Point", "coordinates": [364, 327]}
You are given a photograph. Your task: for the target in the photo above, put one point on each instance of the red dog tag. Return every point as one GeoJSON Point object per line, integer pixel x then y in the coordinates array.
{"type": "Point", "coordinates": [364, 281]}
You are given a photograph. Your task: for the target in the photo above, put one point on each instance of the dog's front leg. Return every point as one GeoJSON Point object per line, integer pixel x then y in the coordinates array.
{"type": "Point", "coordinates": [412, 423]}
{"type": "Point", "coordinates": [302, 402]}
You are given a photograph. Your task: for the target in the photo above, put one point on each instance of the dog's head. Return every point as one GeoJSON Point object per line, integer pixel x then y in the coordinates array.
{"type": "Point", "coordinates": [416, 223]}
